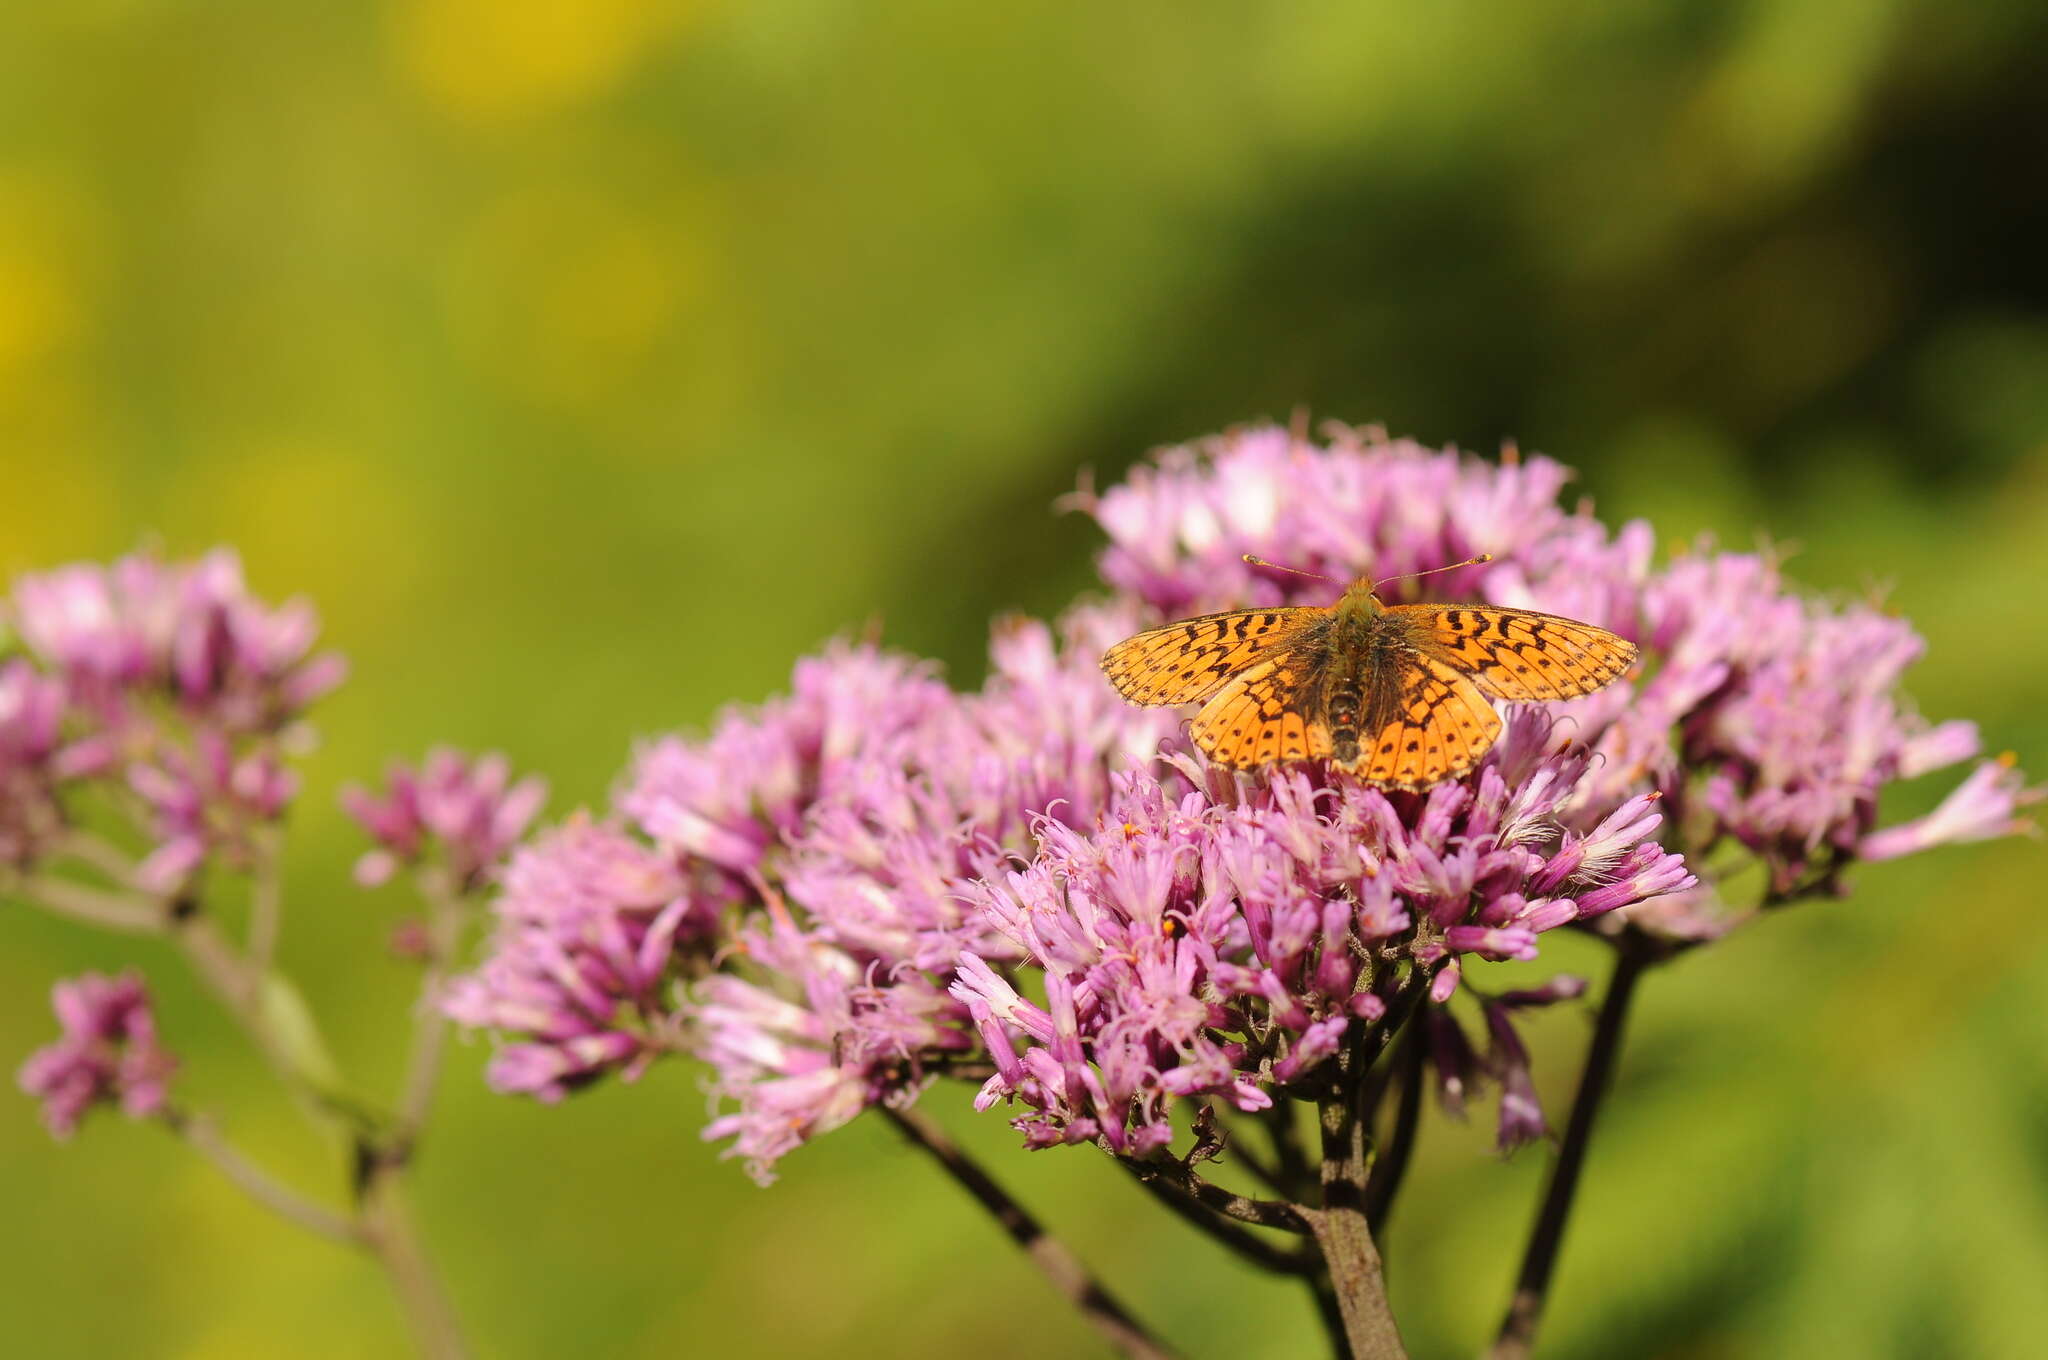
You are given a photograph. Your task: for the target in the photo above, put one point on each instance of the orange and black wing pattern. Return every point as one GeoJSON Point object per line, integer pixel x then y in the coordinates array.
{"type": "Point", "coordinates": [1263, 716]}
{"type": "Point", "coordinates": [1190, 661]}
{"type": "Point", "coordinates": [1516, 654]}
{"type": "Point", "coordinates": [1406, 704]}
{"type": "Point", "coordinates": [1423, 723]}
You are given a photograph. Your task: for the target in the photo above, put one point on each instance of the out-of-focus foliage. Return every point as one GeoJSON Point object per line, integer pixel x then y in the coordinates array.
{"type": "Point", "coordinates": [589, 360]}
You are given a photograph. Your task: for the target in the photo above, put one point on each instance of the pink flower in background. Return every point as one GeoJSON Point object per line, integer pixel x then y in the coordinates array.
{"type": "Point", "coordinates": [31, 712]}
{"type": "Point", "coordinates": [582, 962]}
{"type": "Point", "coordinates": [169, 681]}
{"type": "Point", "coordinates": [1180, 525]}
{"type": "Point", "coordinates": [204, 799]}
{"type": "Point", "coordinates": [190, 632]}
{"type": "Point", "coordinates": [1982, 807]}
{"type": "Point", "coordinates": [108, 1053]}
{"type": "Point", "coordinates": [468, 808]}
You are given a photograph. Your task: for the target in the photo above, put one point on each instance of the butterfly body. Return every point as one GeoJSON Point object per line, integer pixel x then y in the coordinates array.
{"type": "Point", "coordinates": [1398, 695]}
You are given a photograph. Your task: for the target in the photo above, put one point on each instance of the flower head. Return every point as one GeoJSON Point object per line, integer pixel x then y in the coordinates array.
{"type": "Point", "coordinates": [1985, 805]}
{"type": "Point", "coordinates": [190, 632]}
{"type": "Point", "coordinates": [469, 808]}
{"type": "Point", "coordinates": [1223, 942]}
{"type": "Point", "coordinates": [583, 962]}
{"type": "Point", "coordinates": [31, 711]}
{"type": "Point", "coordinates": [829, 838]}
{"type": "Point", "coordinates": [1179, 526]}
{"type": "Point", "coordinates": [108, 1053]}
{"type": "Point", "coordinates": [170, 679]}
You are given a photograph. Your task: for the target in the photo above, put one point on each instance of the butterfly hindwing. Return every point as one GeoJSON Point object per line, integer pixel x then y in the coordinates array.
{"type": "Point", "coordinates": [1516, 654]}
{"type": "Point", "coordinates": [1427, 723]}
{"type": "Point", "coordinates": [1258, 718]}
{"type": "Point", "coordinates": [1189, 661]}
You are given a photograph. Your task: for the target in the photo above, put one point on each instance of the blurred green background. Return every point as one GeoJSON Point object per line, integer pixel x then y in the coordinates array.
{"type": "Point", "coordinates": [588, 360]}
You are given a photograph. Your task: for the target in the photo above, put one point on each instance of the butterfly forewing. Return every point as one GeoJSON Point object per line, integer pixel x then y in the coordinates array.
{"type": "Point", "coordinates": [1189, 661]}
{"type": "Point", "coordinates": [1517, 654]}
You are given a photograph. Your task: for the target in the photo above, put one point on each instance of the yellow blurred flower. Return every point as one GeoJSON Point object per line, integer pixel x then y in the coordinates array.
{"type": "Point", "coordinates": [40, 306]}
{"type": "Point", "coordinates": [558, 294]}
{"type": "Point", "coordinates": [487, 61]}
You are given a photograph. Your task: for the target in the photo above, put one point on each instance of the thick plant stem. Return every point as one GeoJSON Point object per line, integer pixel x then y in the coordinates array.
{"type": "Point", "coordinates": [1052, 1258]}
{"type": "Point", "coordinates": [1539, 1259]}
{"type": "Point", "coordinates": [1360, 1286]}
{"type": "Point", "coordinates": [1332, 1314]}
{"type": "Point", "coordinates": [1341, 1231]}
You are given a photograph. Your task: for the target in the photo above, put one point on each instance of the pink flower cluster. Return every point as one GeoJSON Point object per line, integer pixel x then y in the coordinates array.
{"type": "Point", "coordinates": [1763, 716]}
{"type": "Point", "coordinates": [814, 852]}
{"type": "Point", "coordinates": [1216, 938]}
{"type": "Point", "coordinates": [470, 809]}
{"type": "Point", "coordinates": [168, 678]}
{"type": "Point", "coordinates": [108, 1053]}
{"type": "Point", "coordinates": [841, 895]}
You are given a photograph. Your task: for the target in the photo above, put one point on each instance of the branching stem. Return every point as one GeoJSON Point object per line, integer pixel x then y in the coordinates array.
{"type": "Point", "coordinates": [1390, 1164]}
{"type": "Point", "coordinates": [1539, 1259]}
{"type": "Point", "coordinates": [1179, 1194]}
{"type": "Point", "coordinates": [129, 913]}
{"type": "Point", "coordinates": [1051, 1256]}
{"type": "Point", "coordinates": [259, 1185]}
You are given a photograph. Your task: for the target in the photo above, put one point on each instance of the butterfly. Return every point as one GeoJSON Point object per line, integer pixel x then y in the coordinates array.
{"type": "Point", "coordinates": [1398, 695]}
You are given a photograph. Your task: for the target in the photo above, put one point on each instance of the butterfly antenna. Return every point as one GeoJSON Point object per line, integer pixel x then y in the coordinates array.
{"type": "Point", "coordinates": [1297, 571]}
{"type": "Point", "coordinates": [1468, 562]}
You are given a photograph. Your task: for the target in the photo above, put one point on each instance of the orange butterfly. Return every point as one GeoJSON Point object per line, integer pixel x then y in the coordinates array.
{"type": "Point", "coordinates": [1397, 695]}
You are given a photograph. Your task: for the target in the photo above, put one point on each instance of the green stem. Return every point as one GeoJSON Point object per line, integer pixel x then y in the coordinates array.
{"type": "Point", "coordinates": [1356, 1277]}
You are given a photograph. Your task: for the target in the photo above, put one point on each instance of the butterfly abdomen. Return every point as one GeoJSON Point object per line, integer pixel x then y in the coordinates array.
{"type": "Point", "coordinates": [1345, 683]}
{"type": "Point", "coordinates": [1345, 712]}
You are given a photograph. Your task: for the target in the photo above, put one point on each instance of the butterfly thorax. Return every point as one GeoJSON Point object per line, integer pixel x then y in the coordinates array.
{"type": "Point", "coordinates": [1361, 634]}
{"type": "Point", "coordinates": [1359, 603]}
